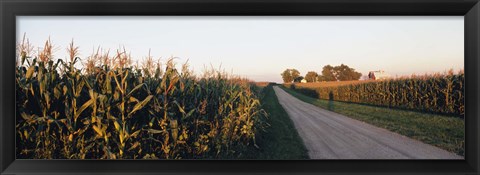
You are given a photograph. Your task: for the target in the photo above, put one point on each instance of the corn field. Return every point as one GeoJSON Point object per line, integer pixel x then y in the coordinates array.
{"type": "Point", "coordinates": [110, 109]}
{"type": "Point", "coordinates": [438, 93]}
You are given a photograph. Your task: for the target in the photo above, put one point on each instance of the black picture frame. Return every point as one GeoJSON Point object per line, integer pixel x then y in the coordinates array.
{"type": "Point", "coordinates": [9, 9]}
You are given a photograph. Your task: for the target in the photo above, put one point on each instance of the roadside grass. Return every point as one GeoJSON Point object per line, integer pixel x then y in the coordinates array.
{"type": "Point", "coordinates": [280, 140]}
{"type": "Point", "coordinates": [442, 131]}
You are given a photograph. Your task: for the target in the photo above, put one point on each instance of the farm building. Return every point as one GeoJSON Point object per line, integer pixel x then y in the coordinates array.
{"type": "Point", "coordinates": [378, 75]}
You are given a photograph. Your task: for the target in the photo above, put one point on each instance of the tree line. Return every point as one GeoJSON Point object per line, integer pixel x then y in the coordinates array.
{"type": "Point", "coordinates": [329, 73]}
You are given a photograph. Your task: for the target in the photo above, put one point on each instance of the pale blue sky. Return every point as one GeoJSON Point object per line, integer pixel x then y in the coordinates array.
{"type": "Point", "coordinates": [260, 48]}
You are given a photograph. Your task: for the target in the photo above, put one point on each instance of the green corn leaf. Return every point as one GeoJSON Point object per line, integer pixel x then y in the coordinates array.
{"type": "Point", "coordinates": [98, 130]}
{"type": "Point", "coordinates": [65, 89]}
{"type": "Point", "coordinates": [135, 145]}
{"type": "Point", "coordinates": [108, 84]}
{"type": "Point", "coordinates": [117, 125]}
{"type": "Point", "coordinates": [119, 86]}
{"type": "Point", "coordinates": [56, 93]}
{"type": "Point", "coordinates": [25, 116]}
{"type": "Point", "coordinates": [154, 131]}
{"type": "Point", "coordinates": [30, 71]}
{"type": "Point", "coordinates": [125, 79]}
{"type": "Point", "coordinates": [140, 105]}
{"type": "Point", "coordinates": [135, 134]}
{"type": "Point", "coordinates": [133, 99]}
{"type": "Point", "coordinates": [179, 107]}
{"type": "Point", "coordinates": [136, 88]}
{"type": "Point", "coordinates": [83, 107]}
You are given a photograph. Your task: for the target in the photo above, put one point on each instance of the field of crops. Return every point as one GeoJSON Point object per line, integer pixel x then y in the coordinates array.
{"type": "Point", "coordinates": [438, 93]}
{"type": "Point", "coordinates": [331, 83]}
{"type": "Point", "coordinates": [110, 109]}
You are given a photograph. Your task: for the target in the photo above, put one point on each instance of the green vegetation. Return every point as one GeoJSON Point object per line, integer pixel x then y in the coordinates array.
{"type": "Point", "coordinates": [112, 110]}
{"type": "Point", "coordinates": [281, 139]}
{"type": "Point", "coordinates": [329, 73]}
{"type": "Point", "coordinates": [290, 75]}
{"type": "Point", "coordinates": [339, 73]}
{"type": "Point", "coordinates": [311, 76]}
{"type": "Point", "coordinates": [438, 93]}
{"type": "Point", "coordinates": [442, 131]}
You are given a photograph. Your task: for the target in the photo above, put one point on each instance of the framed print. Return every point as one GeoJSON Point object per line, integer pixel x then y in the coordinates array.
{"type": "Point", "coordinates": [240, 87]}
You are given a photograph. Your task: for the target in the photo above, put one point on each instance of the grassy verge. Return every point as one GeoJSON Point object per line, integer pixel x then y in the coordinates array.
{"type": "Point", "coordinates": [442, 131]}
{"type": "Point", "coordinates": [280, 140]}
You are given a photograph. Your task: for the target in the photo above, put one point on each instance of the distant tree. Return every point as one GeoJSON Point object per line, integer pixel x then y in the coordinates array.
{"type": "Point", "coordinates": [339, 73]}
{"type": "Point", "coordinates": [321, 78]}
{"type": "Point", "coordinates": [345, 73]}
{"type": "Point", "coordinates": [328, 73]}
{"type": "Point", "coordinates": [287, 76]}
{"type": "Point", "coordinates": [311, 76]}
{"type": "Point", "coordinates": [298, 79]}
{"type": "Point", "coordinates": [290, 75]}
{"type": "Point", "coordinates": [295, 74]}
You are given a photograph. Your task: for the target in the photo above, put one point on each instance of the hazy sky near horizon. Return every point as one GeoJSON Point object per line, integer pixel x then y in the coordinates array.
{"type": "Point", "coordinates": [260, 48]}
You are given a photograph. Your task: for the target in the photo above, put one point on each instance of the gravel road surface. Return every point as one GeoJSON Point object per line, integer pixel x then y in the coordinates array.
{"type": "Point", "coordinates": [328, 135]}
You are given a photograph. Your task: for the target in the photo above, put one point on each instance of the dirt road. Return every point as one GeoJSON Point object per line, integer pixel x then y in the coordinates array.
{"type": "Point", "coordinates": [328, 135]}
